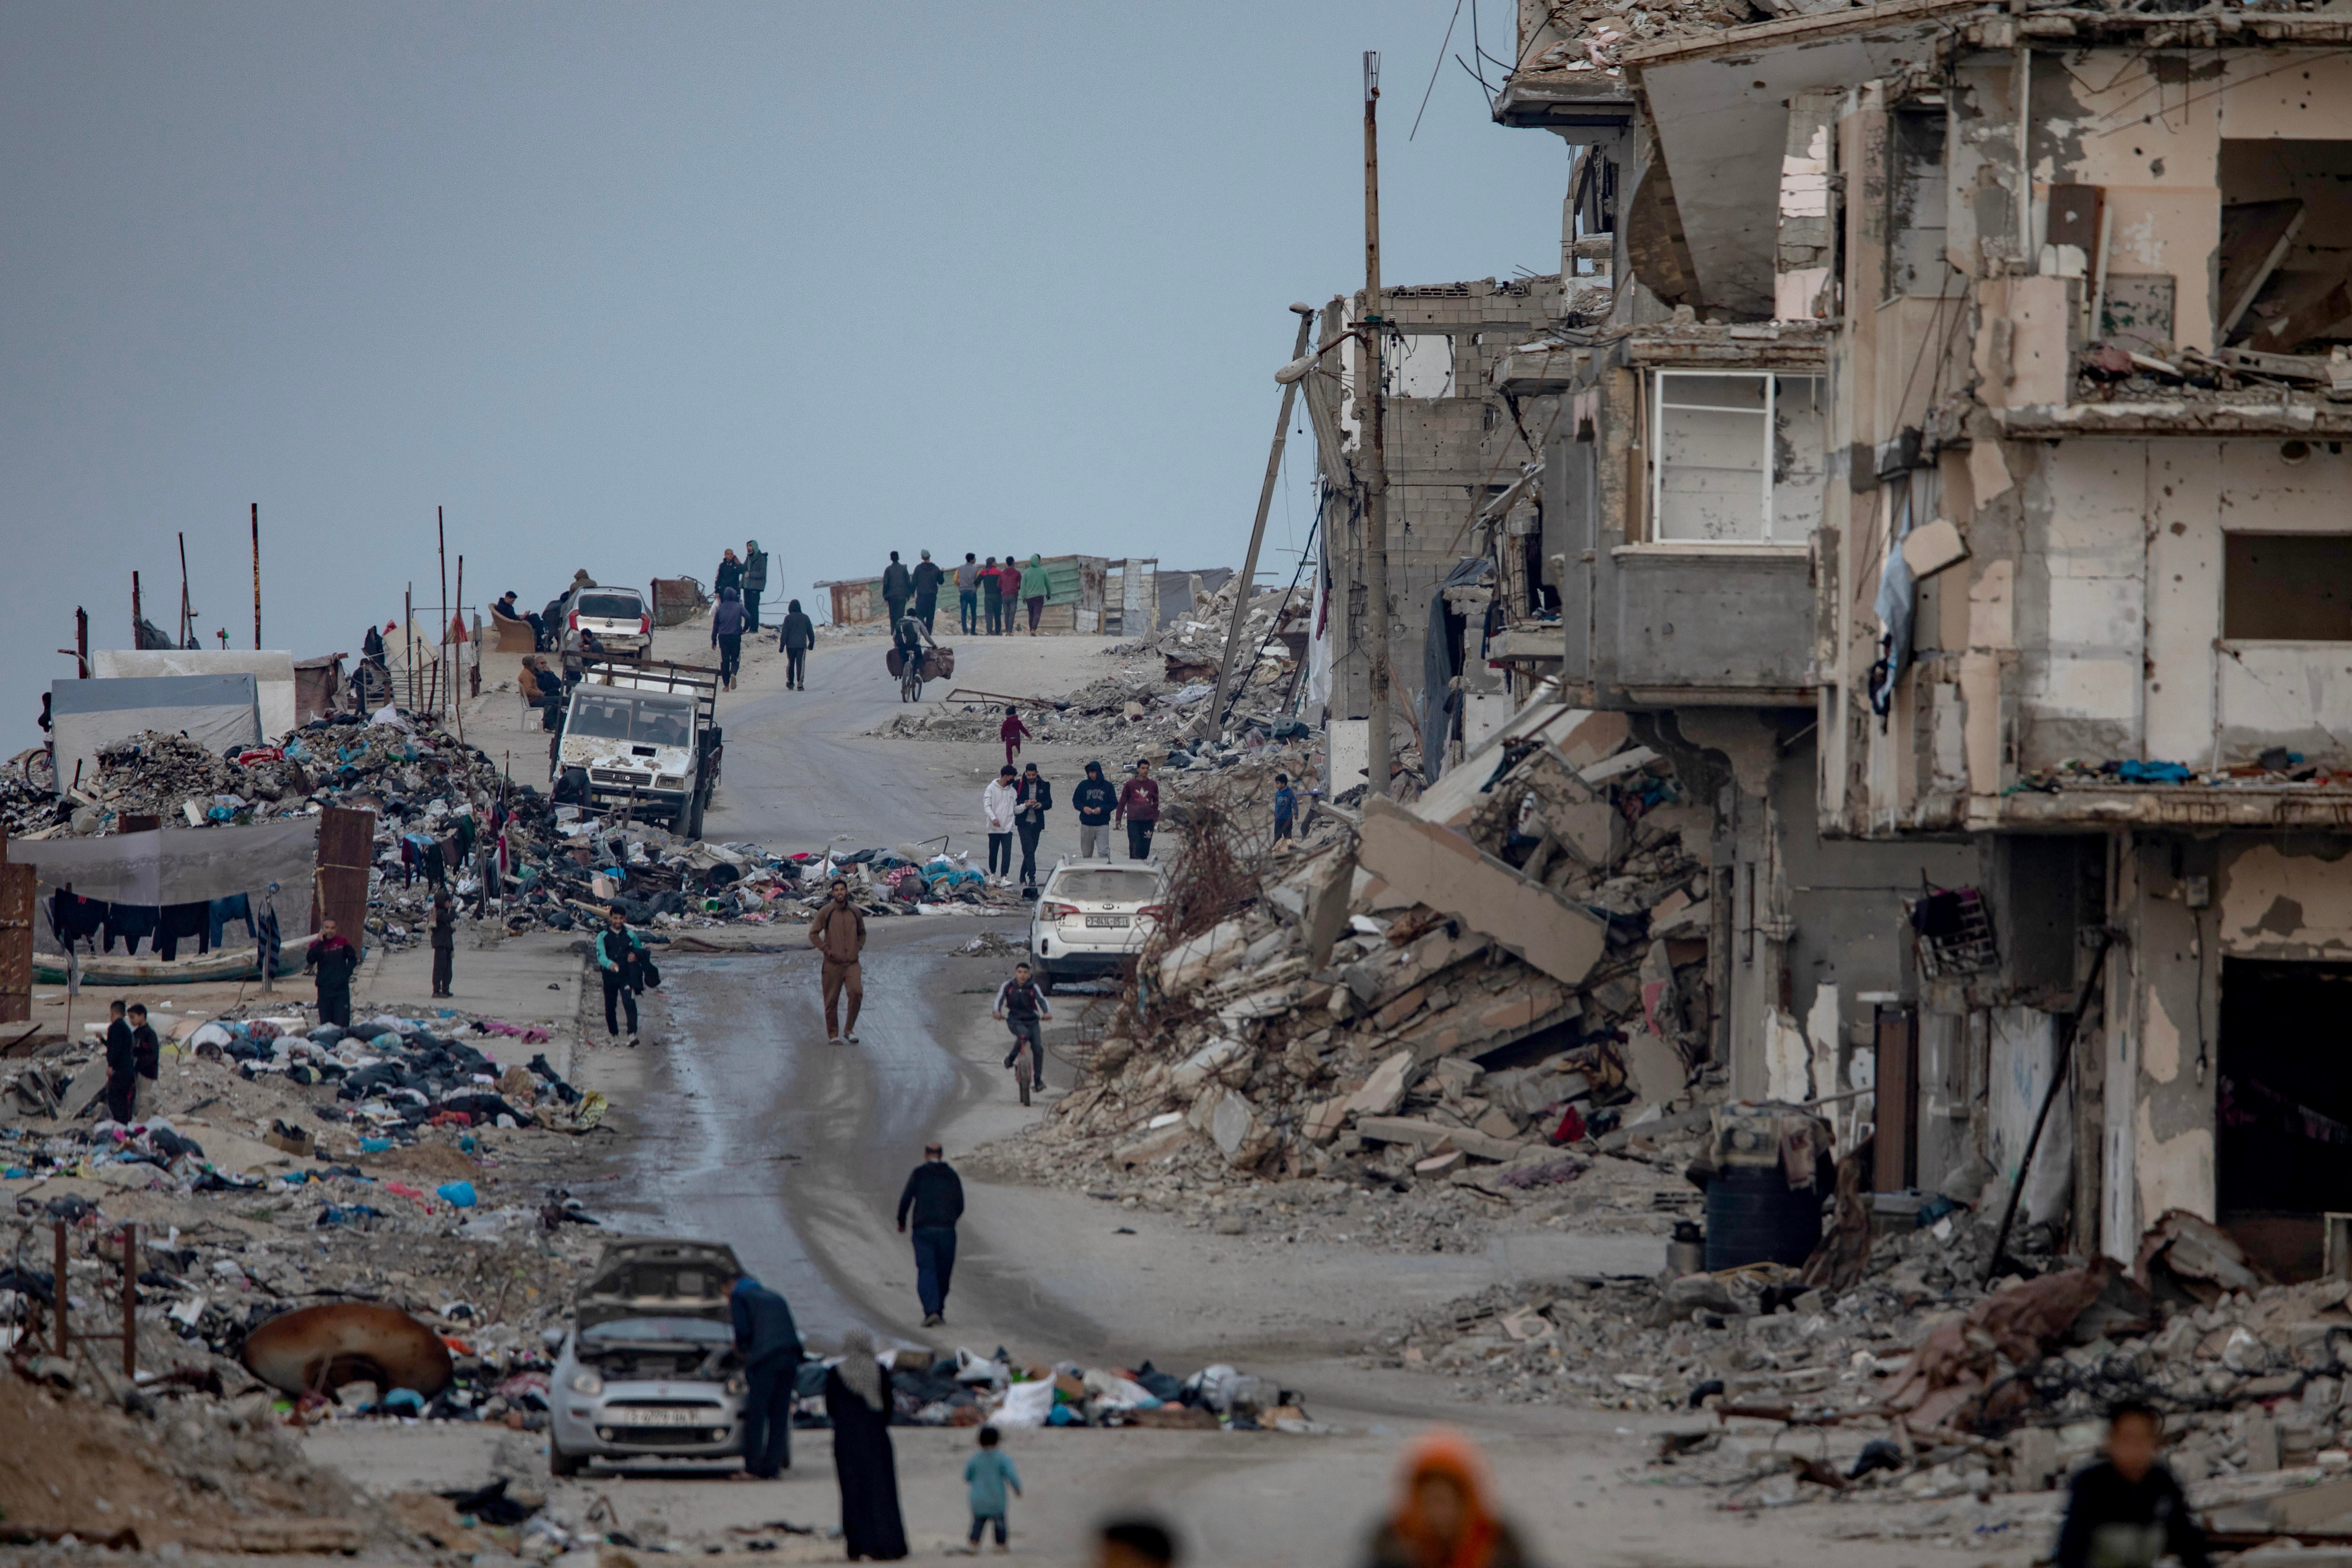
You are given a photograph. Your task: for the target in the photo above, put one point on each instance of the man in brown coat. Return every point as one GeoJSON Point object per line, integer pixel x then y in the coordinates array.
{"type": "Point", "coordinates": [838, 933]}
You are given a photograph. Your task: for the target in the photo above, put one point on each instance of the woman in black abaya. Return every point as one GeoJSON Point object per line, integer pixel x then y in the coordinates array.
{"type": "Point", "coordinates": [857, 1398]}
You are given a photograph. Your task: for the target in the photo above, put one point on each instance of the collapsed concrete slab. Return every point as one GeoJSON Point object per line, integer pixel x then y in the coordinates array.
{"type": "Point", "coordinates": [1437, 867]}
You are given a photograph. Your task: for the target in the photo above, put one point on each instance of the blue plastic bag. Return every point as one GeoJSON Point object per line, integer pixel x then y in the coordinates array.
{"type": "Point", "coordinates": [457, 1194]}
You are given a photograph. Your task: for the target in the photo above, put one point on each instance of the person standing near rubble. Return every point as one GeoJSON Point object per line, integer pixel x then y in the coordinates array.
{"type": "Point", "coordinates": [1138, 807]}
{"type": "Point", "coordinates": [934, 1192]}
{"type": "Point", "coordinates": [769, 1343]}
{"type": "Point", "coordinates": [799, 636]}
{"type": "Point", "coordinates": [728, 576]}
{"type": "Point", "coordinates": [926, 578]}
{"type": "Point", "coordinates": [858, 1400]}
{"type": "Point", "coordinates": [1021, 1007]}
{"type": "Point", "coordinates": [122, 1073]}
{"type": "Point", "coordinates": [1013, 731]}
{"type": "Point", "coordinates": [838, 933]}
{"type": "Point", "coordinates": [755, 582]}
{"type": "Point", "coordinates": [727, 623]}
{"type": "Point", "coordinates": [998, 803]}
{"type": "Point", "coordinates": [1033, 798]}
{"type": "Point", "coordinates": [620, 956]}
{"type": "Point", "coordinates": [334, 957]}
{"type": "Point", "coordinates": [968, 595]}
{"type": "Point", "coordinates": [1034, 587]}
{"type": "Point", "coordinates": [445, 942]}
{"type": "Point", "coordinates": [1008, 577]}
{"type": "Point", "coordinates": [1285, 807]}
{"type": "Point", "coordinates": [2128, 1510]}
{"type": "Point", "coordinates": [898, 587]}
{"type": "Point", "coordinates": [1094, 800]}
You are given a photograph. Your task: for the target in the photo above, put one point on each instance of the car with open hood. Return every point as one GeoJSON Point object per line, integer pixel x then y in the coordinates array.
{"type": "Point", "coordinates": [649, 1369]}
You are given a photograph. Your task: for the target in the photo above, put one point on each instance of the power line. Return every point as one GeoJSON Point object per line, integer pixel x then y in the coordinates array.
{"type": "Point", "coordinates": [1434, 69]}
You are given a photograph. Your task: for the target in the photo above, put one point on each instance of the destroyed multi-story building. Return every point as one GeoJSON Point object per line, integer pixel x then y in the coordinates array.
{"type": "Point", "coordinates": [1952, 476]}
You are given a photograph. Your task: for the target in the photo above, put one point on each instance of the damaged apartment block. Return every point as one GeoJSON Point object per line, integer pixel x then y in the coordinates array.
{"type": "Point", "coordinates": [1955, 479]}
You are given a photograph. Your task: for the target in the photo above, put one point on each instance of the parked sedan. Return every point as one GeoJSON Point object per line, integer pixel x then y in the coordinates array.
{"type": "Point", "coordinates": [1092, 916]}
{"type": "Point", "coordinates": [649, 1370]}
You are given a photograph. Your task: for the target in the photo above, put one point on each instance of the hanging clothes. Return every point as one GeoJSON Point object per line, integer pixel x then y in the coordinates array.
{"type": "Point", "coordinates": [224, 912]}
{"type": "Point", "coordinates": [180, 923]}
{"type": "Point", "coordinates": [132, 922]}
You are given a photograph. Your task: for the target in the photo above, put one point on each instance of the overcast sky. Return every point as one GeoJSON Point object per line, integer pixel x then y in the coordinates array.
{"type": "Point", "coordinates": [621, 285]}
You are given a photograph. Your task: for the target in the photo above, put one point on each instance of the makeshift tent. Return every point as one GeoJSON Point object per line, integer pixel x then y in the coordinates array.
{"type": "Point", "coordinates": [217, 711]}
{"type": "Point", "coordinates": [273, 675]}
{"type": "Point", "coordinates": [157, 869]}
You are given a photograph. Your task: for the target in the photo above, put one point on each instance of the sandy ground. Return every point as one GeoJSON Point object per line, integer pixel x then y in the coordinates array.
{"type": "Point", "coordinates": [743, 1124]}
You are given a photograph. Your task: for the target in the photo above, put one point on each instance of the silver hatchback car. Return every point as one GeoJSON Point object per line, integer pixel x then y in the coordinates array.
{"type": "Point", "coordinates": [649, 1370]}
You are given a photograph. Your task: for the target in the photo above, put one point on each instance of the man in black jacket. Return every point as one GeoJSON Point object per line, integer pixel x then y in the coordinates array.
{"type": "Point", "coordinates": [1094, 801]}
{"type": "Point", "coordinates": [2128, 1510]}
{"type": "Point", "coordinates": [898, 587]}
{"type": "Point", "coordinates": [799, 636]}
{"type": "Point", "coordinates": [926, 578]}
{"type": "Point", "coordinates": [1034, 798]}
{"type": "Point", "coordinates": [122, 1068]}
{"type": "Point", "coordinates": [935, 1193]}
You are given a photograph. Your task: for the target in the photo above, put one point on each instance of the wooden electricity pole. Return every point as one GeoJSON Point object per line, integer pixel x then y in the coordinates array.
{"type": "Point", "coordinates": [188, 612]}
{"type": "Point", "coordinates": [136, 615]}
{"type": "Point", "coordinates": [256, 576]}
{"type": "Point", "coordinates": [1376, 483]}
{"type": "Point", "coordinates": [1258, 534]}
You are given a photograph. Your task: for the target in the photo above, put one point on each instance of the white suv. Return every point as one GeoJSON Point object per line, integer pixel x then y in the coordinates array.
{"type": "Point", "coordinates": [1092, 916]}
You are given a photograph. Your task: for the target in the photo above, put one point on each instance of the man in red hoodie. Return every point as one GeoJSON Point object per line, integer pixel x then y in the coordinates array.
{"type": "Point", "coordinates": [334, 958]}
{"type": "Point", "coordinates": [1138, 804]}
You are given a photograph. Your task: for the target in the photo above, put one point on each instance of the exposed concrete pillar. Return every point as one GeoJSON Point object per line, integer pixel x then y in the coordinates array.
{"type": "Point", "coordinates": [1801, 267]}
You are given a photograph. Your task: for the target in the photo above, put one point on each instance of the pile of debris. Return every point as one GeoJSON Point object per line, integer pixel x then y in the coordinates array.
{"type": "Point", "coordinates": [1274, 637]}
{"type": "Point", "coordinates": [970, 1390]}
{"type": "Point", "coordinates": [1464, 990]}
{"type": "Point", "coordinates": [1592, 31]}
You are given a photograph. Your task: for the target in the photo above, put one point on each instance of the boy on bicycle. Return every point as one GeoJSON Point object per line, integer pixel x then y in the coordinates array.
{"type": "Point", "coordinates": [1021, 1006]}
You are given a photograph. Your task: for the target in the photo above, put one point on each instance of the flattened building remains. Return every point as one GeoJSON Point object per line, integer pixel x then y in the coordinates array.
{"type": "Point", "coordinates": [1935, 446]}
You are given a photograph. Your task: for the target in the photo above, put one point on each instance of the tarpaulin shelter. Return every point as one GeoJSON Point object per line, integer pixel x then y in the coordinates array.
{"type": "Point", "coordinates": [273, 675]}
{"type": "Point", "coordinates": [138, 879]}
{"type": "Point", "coordinates": [217, 711]}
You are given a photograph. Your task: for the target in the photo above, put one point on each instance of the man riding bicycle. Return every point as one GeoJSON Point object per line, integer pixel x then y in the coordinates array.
{"type": "Point", "coordinates": [1021, 1007]}
{"type": "Point", "coordinates": [911, 637]}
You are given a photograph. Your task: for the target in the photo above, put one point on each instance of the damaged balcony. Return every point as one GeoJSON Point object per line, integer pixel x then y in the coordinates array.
{"type": "Point", "coordinates": [1690, 492]}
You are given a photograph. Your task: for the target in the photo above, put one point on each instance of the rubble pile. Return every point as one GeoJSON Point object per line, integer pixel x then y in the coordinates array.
{"type": "Point", "coordinates": [1424, 1045]}
{"type": "Point", "coordinates": [970, 1390]}
{"type": "Point", "coordinates": [1596, 29]}
{"type": "Point", "coordinates": [1193, 647]}
{"type": "Point", "coordinates": [421, 1165]}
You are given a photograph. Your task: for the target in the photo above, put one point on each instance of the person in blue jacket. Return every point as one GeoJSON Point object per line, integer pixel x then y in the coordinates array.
{"type": "Point", "coordinates": [769, 1343]}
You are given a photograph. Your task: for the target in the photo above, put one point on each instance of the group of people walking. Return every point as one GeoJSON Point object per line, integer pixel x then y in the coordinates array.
{"type": "Point", "coordinates": [1015, 805]}
{"type": "Point", "coordinates": [989, 593]}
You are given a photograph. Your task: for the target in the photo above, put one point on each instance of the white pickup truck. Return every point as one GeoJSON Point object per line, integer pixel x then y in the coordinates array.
{"type": "Point", "coordinates": [639, 738]}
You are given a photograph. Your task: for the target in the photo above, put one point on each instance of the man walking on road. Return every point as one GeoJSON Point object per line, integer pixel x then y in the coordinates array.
{"type": "Point", "coordinates": [755, 582]}
{"type": "Point", "coordinates": [619, 953]}
{"type": "Point", "coordinates": [926, 578]}
{"type": "Point", "coordinates": [998, 803]}
{"type": "Point", "coordinates": [1013, 731]}
{"type": "Point", "coordinates": [769, 1343]}
{"type": "Point", "coordinates": [445, 943]}
{"type": "Point", "coordinates": [334, 957]}
{"type": "Point", "coordinates": [1094, 800]}
{"type": "Point", "coordinates": [727, 624]}
{"type": "Point", "coordinates": [1021, 1007]}
{"type": "Point", "coordinates": [1009, 575]}
{"type": "Point", "coordinates": [898, 587]}
{"type": "Point", "coordinates": [968, 595]}
{"type": "Point", "coordinates": [839, 933]}
{"type": "Point", "coordinates": [1138, 803]}
{"type": "Point", "coordinates": [1033, 798]}
{"type": "Point", "coordinates": [798, 636]}
{"type": "Point", "coordinates": [935, 1193]}
{"type": "Point", "coordinates": [1035, 585]}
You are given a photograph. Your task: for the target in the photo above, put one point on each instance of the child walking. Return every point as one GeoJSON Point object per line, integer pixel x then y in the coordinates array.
{"type": "Point", "coordinates": [986, 1475]}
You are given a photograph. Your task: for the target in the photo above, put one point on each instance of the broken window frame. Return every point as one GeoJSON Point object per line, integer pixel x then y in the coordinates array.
{"type": "Point", "coordinates": [1656, 406]}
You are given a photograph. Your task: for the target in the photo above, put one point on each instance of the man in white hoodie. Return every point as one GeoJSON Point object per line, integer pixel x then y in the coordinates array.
{"type": "Point", "coordinates": [997, 802]}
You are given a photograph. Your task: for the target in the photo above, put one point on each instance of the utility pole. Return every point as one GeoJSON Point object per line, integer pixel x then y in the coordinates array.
{"type": "Point", "coordinates": [135, 615]}
{"type": "Point", "coordinates": [441, 660]}
{"type": "Point", "coordinates": [1374, 326]}
{"type": "Point", "coordinates": [188, 612]}
{"type": "Point", "coordinates": [1257, 533]}
{"type": "Point", "coordinates": [256, 576]}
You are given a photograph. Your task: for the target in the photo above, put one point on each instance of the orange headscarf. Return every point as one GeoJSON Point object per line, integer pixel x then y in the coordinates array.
{"type": "Point", "coordinates": [1443, 1451]}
